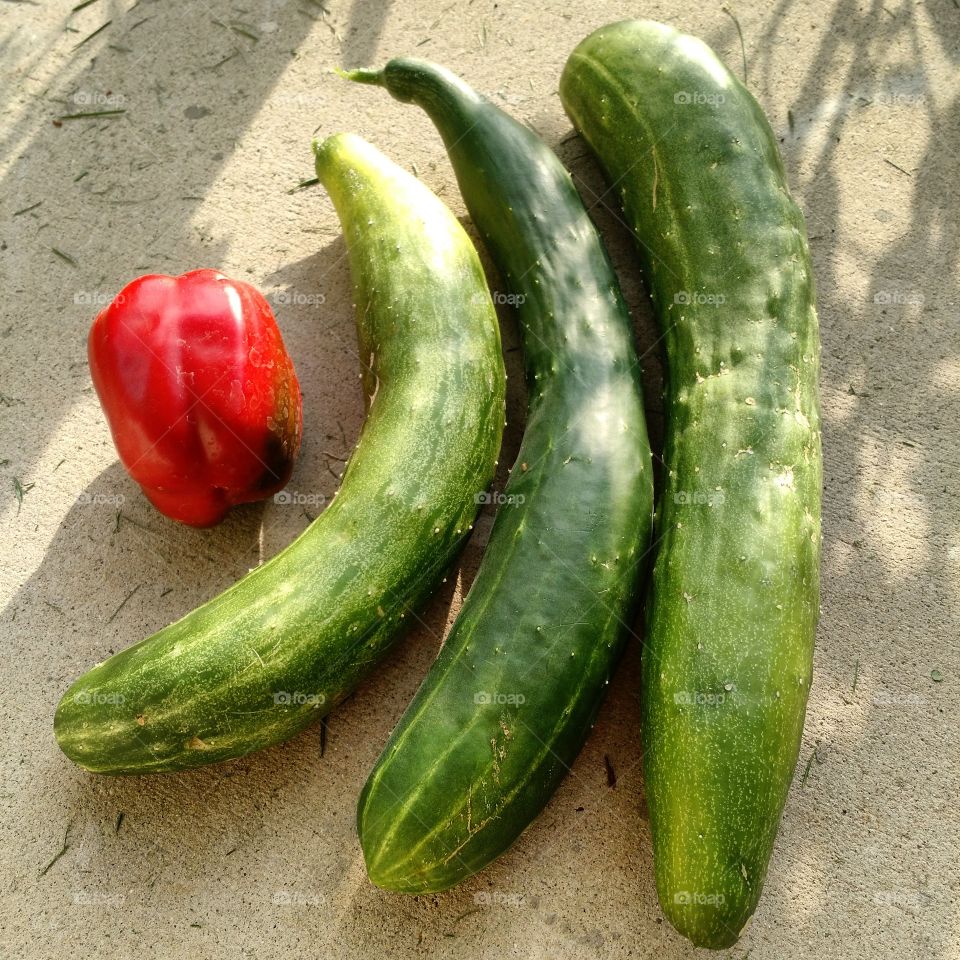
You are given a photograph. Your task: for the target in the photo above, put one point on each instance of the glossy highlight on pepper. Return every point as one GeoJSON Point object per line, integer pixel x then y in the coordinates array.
{"type": "Point", "coordinates": [199, 391]}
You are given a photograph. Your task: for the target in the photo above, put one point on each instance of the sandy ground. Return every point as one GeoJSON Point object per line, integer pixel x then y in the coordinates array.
{"type": "Point", "coordinates": [259, 858]}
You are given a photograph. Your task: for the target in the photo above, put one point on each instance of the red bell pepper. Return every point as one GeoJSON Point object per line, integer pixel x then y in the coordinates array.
{"type": "Point", "coordinates": [199, 392]}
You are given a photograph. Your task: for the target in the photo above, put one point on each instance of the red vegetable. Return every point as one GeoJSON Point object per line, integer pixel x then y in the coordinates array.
{"type": "Point", "coordinates": [199, 392]}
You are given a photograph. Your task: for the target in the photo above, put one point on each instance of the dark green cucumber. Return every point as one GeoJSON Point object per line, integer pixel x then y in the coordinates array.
{"type": "Point", "coordinates": [733, 606]}
{"type": "Point", "coordinates": [282, 646]}
{"type": "Point", "coordinates": [517, 684]}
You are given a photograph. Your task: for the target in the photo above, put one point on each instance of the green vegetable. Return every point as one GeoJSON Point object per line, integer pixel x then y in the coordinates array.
{"type": "Point", "coordinates": [733, 605]}
{"type": "Point", "coordinates": [518, 682]}
{"type": "Point", "coordinates": [281, 647]}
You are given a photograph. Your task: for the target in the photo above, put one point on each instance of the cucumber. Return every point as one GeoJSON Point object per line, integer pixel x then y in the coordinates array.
{"type": "Point", "coordinates": [281, 647]}
{"type": "Point", "coordinates": [518, 682]}
{"type": "Point", "coordinates": [733, 604]}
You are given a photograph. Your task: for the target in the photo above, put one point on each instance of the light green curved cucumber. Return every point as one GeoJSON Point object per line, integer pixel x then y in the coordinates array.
{"type": "Point", "coordinates": [281, 647]}
{"type": "Point", "coordinates": [733, 605]}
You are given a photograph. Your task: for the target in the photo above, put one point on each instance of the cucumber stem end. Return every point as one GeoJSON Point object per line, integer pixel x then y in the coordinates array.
{"type": "Point", "coordinates": [362, 75]}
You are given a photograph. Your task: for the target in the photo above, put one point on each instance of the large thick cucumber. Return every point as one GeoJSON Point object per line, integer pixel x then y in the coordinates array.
{"type": "Point", "coordinates": [282, 646]}
{"type": "Point", "coordinates": [517, 684]}
{"type": "Point", "coordinates": [733, 606]}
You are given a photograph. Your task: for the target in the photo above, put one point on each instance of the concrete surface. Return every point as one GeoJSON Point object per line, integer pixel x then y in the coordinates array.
{"type": "Point", "coordinates": [258, 858]}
